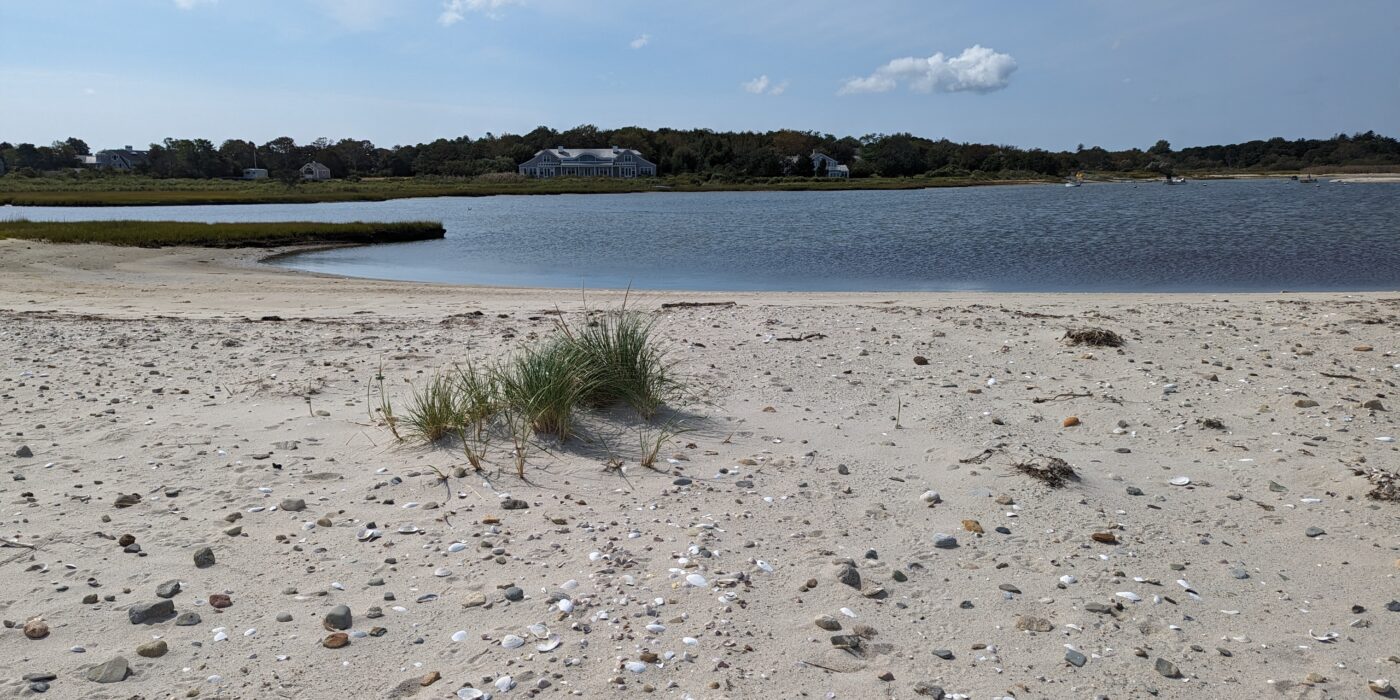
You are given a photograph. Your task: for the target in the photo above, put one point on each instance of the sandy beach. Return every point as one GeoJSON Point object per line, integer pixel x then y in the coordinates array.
{"type": "Point", "coordinates": [845, 519]}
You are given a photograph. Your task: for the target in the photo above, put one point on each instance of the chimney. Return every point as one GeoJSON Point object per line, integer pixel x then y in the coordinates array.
{"type": "Point", "coordinates": [129, 148]}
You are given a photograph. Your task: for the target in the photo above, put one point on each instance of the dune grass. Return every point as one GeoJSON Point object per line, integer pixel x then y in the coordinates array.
{"type": "Point", "coordinates": [155, 234]}
{"type": "Point", "coordinates": [539, 390]}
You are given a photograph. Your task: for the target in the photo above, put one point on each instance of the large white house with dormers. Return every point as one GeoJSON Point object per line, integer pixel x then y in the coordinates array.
{"type": "Point", "coordinates": [588, 162]}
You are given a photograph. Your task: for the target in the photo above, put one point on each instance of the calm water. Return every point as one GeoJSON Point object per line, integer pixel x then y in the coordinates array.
{"type": "Point", "coordinates": [1201, 236]}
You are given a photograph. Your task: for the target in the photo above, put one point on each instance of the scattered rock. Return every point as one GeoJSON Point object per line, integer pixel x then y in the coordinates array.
{"type": "Point", "coordinates": [1167, 668]}
{"type": "Point", "coordinates": [24, 452]}
{"type": "Point", "coordinates": [336, 640]}
{"type": "Point", "coordinates": [36, 629]}
{"type": "Point", "coordinates": [148, 613]}
{"type": "Point", "coordinates": [153, 650]}
{"type": "Point", "coordinates": [1075, 658]}
{"type": "Point", "coordinates": [943, 540]}
{"type": "Point", "coordinates": [204, 558]}
{"type": "Point", "coordinates": [1314, 532]}
{"type": "Point", "coordinates": [112, 671]}
{"type": "Point", "coordinates": [294, 505]}
{"type": "Point", "coordinates": [169, 589]}
{"type": "Point", "coordinates": [828, 623]}
{"type": "Point", "coordinates": [1029, 623]}
{"type": "Point", "coordinates": [187, 619]}
{"type": "Point", "coordinates": [849, 575]}
{"type": "Point", "coordinates": [338, 618]}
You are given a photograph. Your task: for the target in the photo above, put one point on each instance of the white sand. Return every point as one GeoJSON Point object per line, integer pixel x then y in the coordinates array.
{"type": "Point", "coordinates": [136, 371]}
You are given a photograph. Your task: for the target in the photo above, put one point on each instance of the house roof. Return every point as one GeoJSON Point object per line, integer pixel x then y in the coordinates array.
{"type": "Point", "coordinates": [316, 165]}
{"type": "Point", "coordinates": [598, 154]}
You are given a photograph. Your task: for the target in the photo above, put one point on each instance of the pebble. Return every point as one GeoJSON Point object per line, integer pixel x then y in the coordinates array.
{"type": "Point", "coordinates": [339, 618]}
{"type": "Point", "coordinates": [1166, 668]}
{"type": "Point", "coordinates": [828, 623]}
{"type": "Point", "coordinates": [945, 654]}
{"type": "Point", "coordinates": [1075, 658]}
{"type": "Point", "coordinates": [943, 540]}
{"type": "Point", "coordinates": [150, 612]}
{"type": "Point", "coordinates": [515, 594]}
{"type": "Point", "coordinates": [187, 619]}
{"type": "Point", "coordinates": [36, 629]}
{"type": "Point", "coordinates": [169, 589]}
{"type": "Point", "coordinates": [111, 671]}
{"type": "Point", "coordinates": [204, 558]}
{"type": "Point", "coordinates": [849, 575]}
{"type": "Point", "coordinates": [336, 640]}
{"type": "Point", "coordinates": [153, 650]}
{"type": "Point", "coordinates": [928, 689]}
{"type": "Point", "coordinates": [292, 504]}
{"type": "Point", "coordinates": [284, 617]}
{"type": "Point", "coordinates": [1314, 532]}
{"type": "Point", "coordinates": [24, 452]}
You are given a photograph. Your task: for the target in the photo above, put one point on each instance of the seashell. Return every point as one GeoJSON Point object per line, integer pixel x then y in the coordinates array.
{"type": "Point", "coordinates": [368, 534]}
{"type": "Point", "coordinates": [635, 666]}
{"type": "Point", "coordinates": [765, 566]}
{"type": "Point", "coordinates": [549, 644]}
{"type": "Point", "coordinates": [442, 571]}
{"type": "Point", "coordinates": [456, 547]}
{"type": "Point", "coordinates": [1129, 596]}
{"type": "Point", "coordinates": [656, 628]}
{"type": "Point", "coordinates": [696, 580]}
{"type": "Point", "coordinates": [539, 630]}
{"type": "Point", "coordinates": [1180, 480]}
{"type": "Point", "coordinates": [1327, 637]}
{"type": "Point", "coordinates": [565, 605]}
{"type": "Point", "coordinates": [505, 683]}
{"type": "Point", "coordinates": [470, 694]}
{"type": "Point", "coordinates": [459, 636]}
{"type": "Point", "coordinates": [511, 641]}
{"type": "Point", "coordinates": [408, 529]}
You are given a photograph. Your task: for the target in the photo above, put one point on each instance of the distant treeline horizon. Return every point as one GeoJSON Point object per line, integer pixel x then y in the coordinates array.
{"type": "Point", "coordinates": [713, 154]}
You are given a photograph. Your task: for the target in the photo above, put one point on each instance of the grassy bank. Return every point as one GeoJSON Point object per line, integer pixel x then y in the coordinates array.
{"type": "Point", "coordinates": [145, 191]}
{"type": "Point", "coordinates": [155, 234]}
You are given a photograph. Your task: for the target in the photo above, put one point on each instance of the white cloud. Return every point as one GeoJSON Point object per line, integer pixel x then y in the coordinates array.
{"type": "Point", "coordinates": [454, 11]}
{"type": "Point", "coordinates": [190, 4]}
{"type": "Point", "coordinates": [762, 85]}
{"type": "Point", "coordinates": [977, 69]}
{"type": "Point", "coordinates": [640, 41]}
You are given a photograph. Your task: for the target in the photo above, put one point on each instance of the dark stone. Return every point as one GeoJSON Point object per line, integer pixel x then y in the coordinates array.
{"type": "Point", "coordinates": [514, 504]}
{"type": "Point", "coordinates": [1167, 668]}
{"type": "Point", "coordinates": [945, 654]}
{"type": "Point", "coordinates": [339, 618]}
{"type": "Point", "coordinates": [682, 482]}
{"type": "Point", "coordinates": [1075, 658]}
{"type": "Point", "coordinates": [149, 613]}
{"type": "Point", "coordinates": [849, 575]}
{"type": "Point", "coordinates": [168, 589]}
{"type": "Point", "coordinates": [514, 594]}
{"type": "Point", "coordinates": [204, 558]}
{"type": "Point", "coordinates": [187, 619]}
{"type": "Point", "coordinates": [928, 689]}
{"type": "Point", "coordinates": [24, 452]}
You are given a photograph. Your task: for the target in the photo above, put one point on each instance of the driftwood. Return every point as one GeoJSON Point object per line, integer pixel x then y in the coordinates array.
{"type": "Point", "coordinates": [1059, 397]}
{"type": "Point", "coordinates": [800, 338]}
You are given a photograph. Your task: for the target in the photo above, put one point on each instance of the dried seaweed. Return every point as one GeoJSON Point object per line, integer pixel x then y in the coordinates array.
{"type": "Point", "coordinates": [1097, 337]}
{"type": "Point", "coordinates": [1385, 485]}
{"type": "Point", "coordinates": [1055, 472]}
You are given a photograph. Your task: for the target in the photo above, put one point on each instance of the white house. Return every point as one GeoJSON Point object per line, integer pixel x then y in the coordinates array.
{"type": "Point", "coordinates": [588, 162]}
{"type": "Point", "coordinates": [255, 173]}
{"type": "Point", "coordinates": [315, 171]}
{"type": "Point", "coordinates": [125, 159]}
{"type": "Point", "coordinates": [826, 166]}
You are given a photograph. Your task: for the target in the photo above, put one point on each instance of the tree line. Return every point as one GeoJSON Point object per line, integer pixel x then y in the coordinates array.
{"type": "Point", "coordinates": [714, 154]}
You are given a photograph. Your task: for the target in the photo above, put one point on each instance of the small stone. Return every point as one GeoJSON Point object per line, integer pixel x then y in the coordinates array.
{"type": "Point", "coordinates": [187, 619]}
{"type": "Point", "coordinates": [514, 504]}
{"type": "Point", "coordinates": [1379, 686]}
{"type": "Point", "coordinates": [24, 452]}
{"type": "Point", "coordinates": [127, 500]}
{"type": "Point", "coordinates": [336, 640]}
{"type": "Point", "coordinates": [920, 360]}
{"type": "Point", "coordinates": [219, 601]}
{"type": "Point", "coordinates": [1314, 532]}
{"type": "Point", "coordinates": [1134, 491]}
{"type": "Point", "coordinates": [169, 589]}
{"type": "Point", "coordinates": [1075, 658]}
{"type": "Point", "coordinates": [150, 612]}
{"type": "Point", "coordinates": [110, 672]}
{"type": "Point", "coordinates": [153, 650]}
{"type": "Point", "coordinates": [973, 526]}
{"type": "Point", "coordinates": [1071, 421]}
{"type": "Point", "coordinates": [338, 618]}
{"type": "Point", "coordinates": [828, 623]}
{"type": "Point", "coordinates": [90, 599]}
{"type": "Point", "coordinates": [886, 676]}
{"type": "Point", "coordinates": [928, 689]}
{"type": "Point", "coordinates": [1305, 403]}
{"type": "Point", "coordinates": [945, 654]}
{"type": "Point", "coordinates": [284, 617]}
{"type": "Point", "coordinates": [944, 541]}
{"type": "Point", "coordinates": [204, 558]}
{"type": "Point", "coordinates": [36, 629]}
{"type": "Point", "coordinates": [1104, 537]}
{"type": "Point", "coordinates": [294, 505]}
{"type": "Point", "coordinates": [1167, 668]}
{"type": "Point", "coordinates": [1009, 588]}
{"type": "Point", "coordinates": [474, 599]}
{"type": "Point", "coordinates": [1363, 348]}
{"type": "Point", "coordinates": [1374, 405]}
{"type": "Point", "coordinates": [848, 575]}
{"type": "Point", "coordinates": [514, 594]}
{"type": "Point", "coordinates": [1029, 623]}
{"type": "Point", "coordinates": [429, 679]}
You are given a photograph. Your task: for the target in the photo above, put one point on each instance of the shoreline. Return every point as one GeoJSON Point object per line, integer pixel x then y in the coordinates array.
{"type": "Point", "coordinates": [56, 276]}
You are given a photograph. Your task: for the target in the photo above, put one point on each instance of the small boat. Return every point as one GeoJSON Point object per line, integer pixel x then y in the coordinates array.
{"type": "Point", "coordinates": [1307, 180]}
{"type": "Point", "coordinates": [1176, 180]}
{"type": "Point", "coordinates": [1076, 180]}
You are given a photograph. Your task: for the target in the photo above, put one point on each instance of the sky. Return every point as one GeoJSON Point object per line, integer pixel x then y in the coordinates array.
{"type": "Point", "coordinates": [1032, 73]}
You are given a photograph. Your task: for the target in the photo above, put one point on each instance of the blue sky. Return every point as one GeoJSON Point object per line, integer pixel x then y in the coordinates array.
{"type": "Point", "coordinates": [1033, 73]}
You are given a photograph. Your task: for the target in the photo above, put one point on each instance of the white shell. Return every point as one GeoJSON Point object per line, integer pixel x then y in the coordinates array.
{"type": "Point", "coordinates": [470, 694]}
{"type": "Point", "coordinates": [1129, 596]}
{"type": "Point", "coordinates": [696, 580]}
{"type": "Point", "coordinates": [565, 605]}
{"type": "Point", "coordinates": [1180, 480]}
{"type": "Point", "coordinates": [550, 644]}
{"type": "Point", "coordinates": [459, 636]}
{"type": "Point", "coordinates": [511, 641]}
